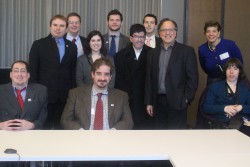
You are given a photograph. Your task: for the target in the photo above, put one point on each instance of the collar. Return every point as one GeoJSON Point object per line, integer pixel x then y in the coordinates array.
{"type": "Point", "coordinates": [18, 88]}
{"type": "Point", "coordinates": [171, 45]}
{"type": "Point", "coordinates": [136, 50]}
{"type": "Point", "coordinates": [152, 38]}
{"type": "Point", "coordinates": [117, 33]}
{"type": "Point", "coordinates": [70, 37]}
{"type": "Point", "coordinates": [95, 91]}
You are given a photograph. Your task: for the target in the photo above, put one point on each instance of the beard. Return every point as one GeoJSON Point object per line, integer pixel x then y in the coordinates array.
{"type": "Point", "coordinates": [117, 29]}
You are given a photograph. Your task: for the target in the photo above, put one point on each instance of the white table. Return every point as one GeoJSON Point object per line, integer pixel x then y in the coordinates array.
{"type": "Point", "coordinates": [184, 148]}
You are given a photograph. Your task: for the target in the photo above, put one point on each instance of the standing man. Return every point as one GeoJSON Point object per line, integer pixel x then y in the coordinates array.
{"type": "Point", "coordinates": [114, 40]}
{"type": "Point", "coordinates": [172, 79]}
{"type": "Point", "coordinates": [74, 25]}
{"type": "Point", "coordinates": [53, 63]}
{"type": "Point", "coordinates": [150, 23]}
{"type": "Point", "coordinates": [97, 107]}
{"type": "Point", "coordinates": [23, 106]}
{"type": "Point", "coordinates": [130, 65]}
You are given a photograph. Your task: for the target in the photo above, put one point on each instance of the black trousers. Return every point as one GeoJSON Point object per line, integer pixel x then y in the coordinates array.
{"type": "Point", "coordinates": [54, 116]}
{"type": "Point", "coordinates": [168, 118]}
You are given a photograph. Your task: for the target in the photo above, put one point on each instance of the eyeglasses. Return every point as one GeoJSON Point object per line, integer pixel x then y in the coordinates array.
{"type": "Point", "coordinates": [74, 22]}
{"type": "Point", "coordinates": [139, 37]}
{"type": "Point", "coordinates": [170, 30]}
{"type": "Point", "coordinates": [22, 71]}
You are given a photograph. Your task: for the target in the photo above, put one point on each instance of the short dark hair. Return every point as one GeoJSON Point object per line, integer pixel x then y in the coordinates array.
{"type": "Point", "coordinates": [115, 12]}
{"type": "Point", "coordinates": [234, 62]}
{"type": "Point", "coordinates": [150, 15]}
{"type": "Point", "coordinates": [87, 48]}
{"type": "Point", "coordinates": [61, 17]}
{"type": "Point", "coordinates": [136, 28]}
{"type": "Point", "coordinates": [167, 19]}
{"type": "Point", "coordinates": [21, 62]}
{"type": "Point", "coordinates": [74, 14]}
{"type": "Point", "coordinates": [212, 24]}
{"type": "Point", "coordinates": [102, 61]}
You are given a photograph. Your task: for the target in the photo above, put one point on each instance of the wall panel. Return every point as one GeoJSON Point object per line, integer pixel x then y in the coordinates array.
{"type": "Point", "coordinates": [23, 21]}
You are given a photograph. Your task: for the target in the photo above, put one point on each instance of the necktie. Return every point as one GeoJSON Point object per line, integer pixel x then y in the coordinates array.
{"type": "Point", "coordinates": [61, 48]}
{"type": "Point", "coordinates": [148, 42]}
{"type": "Point", "coordinates": [98, 124]}
{"type": "Point", "coordinates": [112, 48]}
{"type": "Point", "coordinates": [73, 40]}
{"type": "Point", "coordinates": [19, 97]}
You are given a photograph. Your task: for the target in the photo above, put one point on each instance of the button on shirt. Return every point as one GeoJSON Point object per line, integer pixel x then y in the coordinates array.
{"type": "Point", "coordinates": [163, 66]}
{"type": "Point", "coordinates": [94, 99]}
{"type": "Point", "coordinates": [137, 53]}
{"type": "Point", "coordinates": [152, 41]}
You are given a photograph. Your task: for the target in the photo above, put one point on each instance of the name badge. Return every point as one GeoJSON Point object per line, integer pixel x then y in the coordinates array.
{"type": "Point", "coordinates": [224, 56]}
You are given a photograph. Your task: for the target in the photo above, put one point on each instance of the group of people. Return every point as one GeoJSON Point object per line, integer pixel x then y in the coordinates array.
{"type": "Point", "coordinates": [113, 82]}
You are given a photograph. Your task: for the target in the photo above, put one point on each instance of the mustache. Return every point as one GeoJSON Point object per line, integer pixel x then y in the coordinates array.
{"type": "Point", "coordinates": [102, 80]}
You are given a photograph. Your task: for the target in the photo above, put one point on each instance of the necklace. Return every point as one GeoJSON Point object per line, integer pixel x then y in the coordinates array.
{"type": "Point", "coordinates": [210, 48]}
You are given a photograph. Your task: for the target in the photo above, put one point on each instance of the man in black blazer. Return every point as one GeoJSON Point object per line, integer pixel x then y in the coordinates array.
{"type": "Point", "coordinates": [33, 113]}
{"type": "Point", "coordinates": [150, 23]}
{"type": "Point", "coordinates": [114, 21]}
{"type": "Point", "coordinates": [172, 79]}
{"type": "Point", "coordinates": [53, 64]}
{"type": "Point", "coordinates": [74, 25]}
{"type": "Point", "coordinates": [130, 65]}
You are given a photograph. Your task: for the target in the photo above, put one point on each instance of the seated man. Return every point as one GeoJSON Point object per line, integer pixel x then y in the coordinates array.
{"type": "Point", "coordinates": [23, 106]}
{"type": "Point", "coordinates": [24, 111]}
{"type": "Point", "coordinates": [97, 107]}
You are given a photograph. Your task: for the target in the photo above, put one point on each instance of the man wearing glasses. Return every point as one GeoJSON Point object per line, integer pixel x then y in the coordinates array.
{"type": "Point", "coordinates": [74, 25]}
{"type": "Point", "coordinates": [171, 79]}
{"type": "Point", "coordinates": [130, 65]}
{"type": "Point", "coordinates": [23, 106]}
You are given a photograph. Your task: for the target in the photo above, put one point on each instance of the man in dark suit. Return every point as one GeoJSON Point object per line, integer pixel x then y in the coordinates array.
{"type": "Point", "coordinates": [74, 25]}
{"type": "Point", "coordinates": [32, 112]}
{"type": "Point", "coordinates": [150, 23]}
{"type": "Point", "coordinates": [53, 63]}
{"type": "Point", "coordinates": [81, 111]}
{"type": "Point", "coordinates": [23, 106]}
{"type": "Point", "coordinates": [172, 79]}
{"type": "Point", "coordinates": [114, 21]}
{"type": "Point", "coordinates": [130, 65]}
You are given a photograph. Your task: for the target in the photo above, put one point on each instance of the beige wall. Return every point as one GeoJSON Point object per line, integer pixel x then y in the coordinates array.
{"type": "Point", "coordinates": [236, 27]}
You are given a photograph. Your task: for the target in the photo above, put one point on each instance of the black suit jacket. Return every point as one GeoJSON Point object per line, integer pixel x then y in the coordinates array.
{"type": "Point", "coordinates": [83, 40]}
{"type": "Point", "coordinates": [46, 69]}
{"type": "Point", "coordinates": [158, 41]}
{"type": "Point", "coordinates": [181, 76]}
{"type": "Point", "coordinates": [35, 104]}
{"type": "Point", "coordinates": [130, 77]}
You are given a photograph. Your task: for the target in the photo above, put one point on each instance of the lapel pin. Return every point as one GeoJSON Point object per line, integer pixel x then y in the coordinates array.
{"type": "Point", "coordinates": [29, 99]}
{"type": "Point", "coordinates": [112, 105]}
